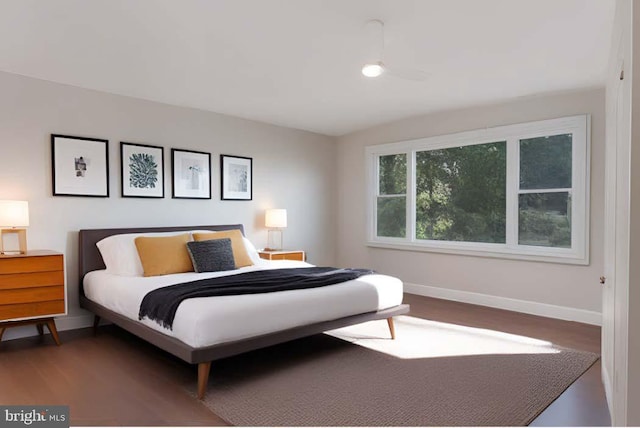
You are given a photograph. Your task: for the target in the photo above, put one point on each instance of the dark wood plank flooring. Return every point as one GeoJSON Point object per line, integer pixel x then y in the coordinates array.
{"type": "Point", "coordinates": [117, 379]}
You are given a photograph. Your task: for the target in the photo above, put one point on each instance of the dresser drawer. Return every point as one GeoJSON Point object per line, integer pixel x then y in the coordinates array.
{"type": "Point", "coordinates": [289, 256]}
{"type": "Point", "coordinates": [27, 280]}
{"type": "Point", "coordinates": [33, 294]}
{"type": "Point", "coordinates": [282, 255]}
{"type": "Point", "coordinates": [30, 264]}
{"type": "Point", "coordinates": [30, 310]}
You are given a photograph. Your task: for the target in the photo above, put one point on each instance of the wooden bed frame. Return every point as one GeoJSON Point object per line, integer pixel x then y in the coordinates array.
{"type": "Point", "coordinates": [90, 259]}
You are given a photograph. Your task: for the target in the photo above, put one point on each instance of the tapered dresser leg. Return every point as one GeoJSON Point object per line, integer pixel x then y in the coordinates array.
{"type": "Point", "coordinates": [40, 329]}
{"type": "Point", "coordinates": [51, 325]}
{"type": "Point", "coordinates": [392, 328]}
{"type": "Point", "coordinates": [203, 378]}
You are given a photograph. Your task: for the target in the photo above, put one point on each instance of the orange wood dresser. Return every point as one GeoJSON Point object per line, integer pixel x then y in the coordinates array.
{"type": "Point", "coordinates": [32, 290]}
{"type": "Point", "coordinates": [282, 255]}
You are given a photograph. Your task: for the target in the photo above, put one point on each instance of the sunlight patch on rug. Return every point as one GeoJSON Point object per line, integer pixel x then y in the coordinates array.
{"type": "Point", "coordinates": [420, 338]}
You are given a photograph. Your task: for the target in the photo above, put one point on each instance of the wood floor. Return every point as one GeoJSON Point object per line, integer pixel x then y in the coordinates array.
{"type": "Point", "coordinates": [117, 379]}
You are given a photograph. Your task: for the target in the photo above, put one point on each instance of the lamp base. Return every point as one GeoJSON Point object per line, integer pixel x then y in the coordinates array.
{"type": "Point", "coordinates": [22, 241]}
{"type": "Point", "coordinates": [274, 240]}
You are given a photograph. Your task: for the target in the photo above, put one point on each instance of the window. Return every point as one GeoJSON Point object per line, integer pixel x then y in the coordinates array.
{"type": "Point", "coordinates": [392, 196]}
{"type": "Point", "coordinates": [544, 196]}
{"type": "Point", "coordinates": [517, 191]}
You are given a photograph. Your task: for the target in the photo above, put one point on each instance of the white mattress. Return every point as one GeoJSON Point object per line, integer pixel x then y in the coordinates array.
{"type": "Point", "coordinates": [208, 321]}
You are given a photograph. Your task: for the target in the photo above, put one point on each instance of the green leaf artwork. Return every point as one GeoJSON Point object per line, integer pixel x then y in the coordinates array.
{"type": "Point", "coordinates": [143, 171]}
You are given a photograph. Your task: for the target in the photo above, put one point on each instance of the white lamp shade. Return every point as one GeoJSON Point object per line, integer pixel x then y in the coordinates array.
{"type": "Point", "coordinates": [276, 218]}
{"type": "Point", "coordinates": [14, 214]}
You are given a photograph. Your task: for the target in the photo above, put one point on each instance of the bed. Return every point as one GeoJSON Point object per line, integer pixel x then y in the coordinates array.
{"type": "Point", "coordinates": [275, 317]}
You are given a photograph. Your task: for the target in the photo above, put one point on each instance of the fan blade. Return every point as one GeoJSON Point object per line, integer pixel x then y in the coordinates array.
{"type": "Point", "coordinates": [408, 73]}
{"type": "Point", "coordinates": [375, 36]}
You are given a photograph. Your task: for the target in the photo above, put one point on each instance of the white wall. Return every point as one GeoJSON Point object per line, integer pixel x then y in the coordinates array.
{"type": "Point", "coordinates": [574, 288]}
{"type": "Point", "coordinates": [291, 169]}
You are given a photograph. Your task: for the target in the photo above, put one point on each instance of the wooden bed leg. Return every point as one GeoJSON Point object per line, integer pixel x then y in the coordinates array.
{"type": "Point", "coordinates": [392, 328]}
{"type": "Point", "coordinates": [96, 323]}
{"type": "Point", "coordinates": [203, 378]}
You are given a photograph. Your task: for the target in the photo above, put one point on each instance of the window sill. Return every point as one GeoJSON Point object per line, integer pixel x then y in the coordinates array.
{"type": "Point", "coordinates": [492, 251]}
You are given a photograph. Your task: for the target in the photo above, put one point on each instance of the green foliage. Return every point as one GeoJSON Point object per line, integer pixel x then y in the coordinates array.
{"type": "Point", "coordinates": [393, 174]}
{"type": "Point", "coordinates": [392, 220]}
{"type": "Point", "coordinates": [545, 162]}
{"type": "Point", "coordinates": [461, 193]}
{"type": "Point", "coordinates": [545, 220]}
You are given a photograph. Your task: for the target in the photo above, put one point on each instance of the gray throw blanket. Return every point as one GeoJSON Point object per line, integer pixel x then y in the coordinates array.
{"type": "Point", "coordinates": [161, 304]}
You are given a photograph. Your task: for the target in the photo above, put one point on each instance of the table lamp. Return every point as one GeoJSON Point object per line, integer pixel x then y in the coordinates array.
{"type": "Point", "coordinates": [275, 220]}
{"type": "Point", "coordinates": [14, 218]}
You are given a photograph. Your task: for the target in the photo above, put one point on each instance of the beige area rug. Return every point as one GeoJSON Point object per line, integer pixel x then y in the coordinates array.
{"type": "Point", "coordinates": [433, 374]}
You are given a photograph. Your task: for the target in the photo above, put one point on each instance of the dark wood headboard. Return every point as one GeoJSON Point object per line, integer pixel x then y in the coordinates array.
{"type": "Point", "coordinates": [89, 257]}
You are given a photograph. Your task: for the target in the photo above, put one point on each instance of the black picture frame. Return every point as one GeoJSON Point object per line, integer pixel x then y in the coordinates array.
{"type": "Point", "coordinates": [236, 178]}
{"type": "Point", "coordinates": [199, 165]}
{"type": "Point", "coordinates": [142, 176]}
{"type": "Point", "coordinates": [79, 166]}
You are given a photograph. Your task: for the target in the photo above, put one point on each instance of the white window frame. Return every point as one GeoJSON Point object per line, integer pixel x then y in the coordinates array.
{"type": "Point", "coordinates": [578, 126]}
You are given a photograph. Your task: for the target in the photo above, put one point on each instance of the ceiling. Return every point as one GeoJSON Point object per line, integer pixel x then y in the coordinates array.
{"type": "Point", "coordinates": [297, 63]}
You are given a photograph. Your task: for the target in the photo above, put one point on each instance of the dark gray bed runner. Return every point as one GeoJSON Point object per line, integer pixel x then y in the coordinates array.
{"type": "Point", "coordinates": [161, 304]}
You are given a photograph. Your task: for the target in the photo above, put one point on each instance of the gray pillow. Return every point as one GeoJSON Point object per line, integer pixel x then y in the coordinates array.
{"type": "Point", "coordinates": [211, 256]}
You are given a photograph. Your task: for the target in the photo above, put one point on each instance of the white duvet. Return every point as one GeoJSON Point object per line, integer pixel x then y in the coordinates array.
{"type": "Point", "coordinates": [209, 321]}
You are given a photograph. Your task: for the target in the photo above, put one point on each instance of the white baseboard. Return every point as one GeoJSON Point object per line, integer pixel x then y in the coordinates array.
{"type": "Point", "coordinates": [524, 306]}
{"type": "Point", "coordinates": [63, 323]}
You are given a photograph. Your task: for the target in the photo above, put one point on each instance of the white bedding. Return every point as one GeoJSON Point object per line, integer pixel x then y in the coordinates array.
{"type": "Point", "coordinates": [208, 321]}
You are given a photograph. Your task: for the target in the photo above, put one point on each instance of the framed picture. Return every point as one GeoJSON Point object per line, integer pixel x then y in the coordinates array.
{"type": "Point", "coordinates": [236, 178]}
{"type": "Point", "coordinates": [80, 166]}
{"type": "Point", "coordinates": [142, 169]}
{"type": "Point", "coordinates": [191, 174]}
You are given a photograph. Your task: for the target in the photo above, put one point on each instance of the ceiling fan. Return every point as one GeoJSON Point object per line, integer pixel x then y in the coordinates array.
{"type": "Point", "coordinates": [376, 66]}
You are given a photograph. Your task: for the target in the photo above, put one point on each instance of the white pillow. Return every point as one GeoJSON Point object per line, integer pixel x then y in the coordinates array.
{"type": "Point", "coordinates": [120, 254]}
{"type": "Point", "coordinates": [251, 250]}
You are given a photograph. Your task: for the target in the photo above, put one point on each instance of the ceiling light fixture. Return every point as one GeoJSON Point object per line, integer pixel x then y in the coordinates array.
{"type": "Point", "coordinates": [373, 69]}
{"type": "Point", "coordinates": [375, 62]}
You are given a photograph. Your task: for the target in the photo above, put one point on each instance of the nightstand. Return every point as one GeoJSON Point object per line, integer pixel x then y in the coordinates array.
{"type": "Point", "coordinates": [32, 290]}
{"type": "Point", "coordinates": [282, 255]}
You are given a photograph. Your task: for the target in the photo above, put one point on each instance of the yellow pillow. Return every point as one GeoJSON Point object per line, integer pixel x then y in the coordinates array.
{"type": "Point", "coordinates": [240, 254]}
{"type": "Point", "coordinates": [164, 255]}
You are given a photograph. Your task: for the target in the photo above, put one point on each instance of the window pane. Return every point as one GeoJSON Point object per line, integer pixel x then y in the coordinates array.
{"type": "Point", "coordinates": [392, 214]}
{"type": "Point", "coordinates": [545, 162]}
{"type": "Point", "coordinates": [393, 174]}
{"type": "Point", "coordinates": [461, 193]}
{"type": "Point", "coordinates": [545, 219]}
